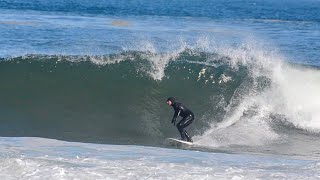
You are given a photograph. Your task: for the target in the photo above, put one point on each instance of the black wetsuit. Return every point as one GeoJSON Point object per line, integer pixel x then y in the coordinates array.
{"type": "Point", "coordinates": [187, 119]}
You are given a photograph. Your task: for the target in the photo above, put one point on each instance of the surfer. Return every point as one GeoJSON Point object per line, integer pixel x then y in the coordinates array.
{"type": "Point", "coordinates": [187, 118]}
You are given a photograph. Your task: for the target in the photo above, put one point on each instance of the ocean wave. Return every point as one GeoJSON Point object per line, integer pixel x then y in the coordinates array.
{"type": "Point", "coordinates": [237, 94]}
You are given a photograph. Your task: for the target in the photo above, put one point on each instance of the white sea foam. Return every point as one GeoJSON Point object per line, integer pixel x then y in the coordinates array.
{"type": "Point", "coordinates": [35, 158]}
{"type": "Point", "coordinates": [293, 94]}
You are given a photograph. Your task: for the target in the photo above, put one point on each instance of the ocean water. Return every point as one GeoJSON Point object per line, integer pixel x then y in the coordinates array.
{"type": "Point", "coordinates": [84, 85]}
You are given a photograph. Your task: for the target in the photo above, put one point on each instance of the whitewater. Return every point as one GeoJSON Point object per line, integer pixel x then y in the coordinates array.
{"type": "Point", "coordinates": [36, 158]}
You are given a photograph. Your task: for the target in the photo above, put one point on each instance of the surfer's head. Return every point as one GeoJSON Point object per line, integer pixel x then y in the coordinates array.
{"type": "Point", "coordinates": [171, 101]}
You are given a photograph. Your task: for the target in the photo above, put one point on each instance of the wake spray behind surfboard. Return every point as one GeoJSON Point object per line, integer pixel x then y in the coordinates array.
{"type": "Point", "coordinates": [266, 103]}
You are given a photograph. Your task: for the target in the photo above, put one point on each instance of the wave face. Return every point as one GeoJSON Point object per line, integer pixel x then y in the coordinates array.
{"type": "Point", "coordinates": [244, 98]}
{"type": "Point", "coordinates": [116, 98]}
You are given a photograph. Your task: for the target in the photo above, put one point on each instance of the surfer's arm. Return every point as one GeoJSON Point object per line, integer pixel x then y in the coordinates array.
{"type": "Point", "coordinates": [174, 118]}
{"type": "Point", "coordinates": [176, 114]}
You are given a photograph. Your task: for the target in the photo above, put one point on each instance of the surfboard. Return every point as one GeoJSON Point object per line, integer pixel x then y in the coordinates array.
{"type": "Point", "coordinates": [180, 141]}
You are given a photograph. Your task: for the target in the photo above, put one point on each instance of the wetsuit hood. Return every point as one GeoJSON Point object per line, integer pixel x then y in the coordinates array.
{"type": "Point", "coordinates": [172, 99]}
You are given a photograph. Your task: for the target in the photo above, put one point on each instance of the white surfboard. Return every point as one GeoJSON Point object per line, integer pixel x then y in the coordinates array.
{"type": "Point", "coordinates": [180, 141]}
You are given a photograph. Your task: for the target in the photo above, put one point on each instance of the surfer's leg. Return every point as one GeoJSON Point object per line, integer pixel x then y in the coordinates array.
{"type": "Point", "coordinates": [187, 136]}
{"type": "Point", "coordinates": [183, 124]}
{"type": "Point", "coordinates": [180, 129]}
{"type": "Point", "coordinates": [186, 123]}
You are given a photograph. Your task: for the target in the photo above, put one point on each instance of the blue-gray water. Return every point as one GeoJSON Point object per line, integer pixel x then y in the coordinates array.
{"type": "Point", "coordinates": [100, 72]}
